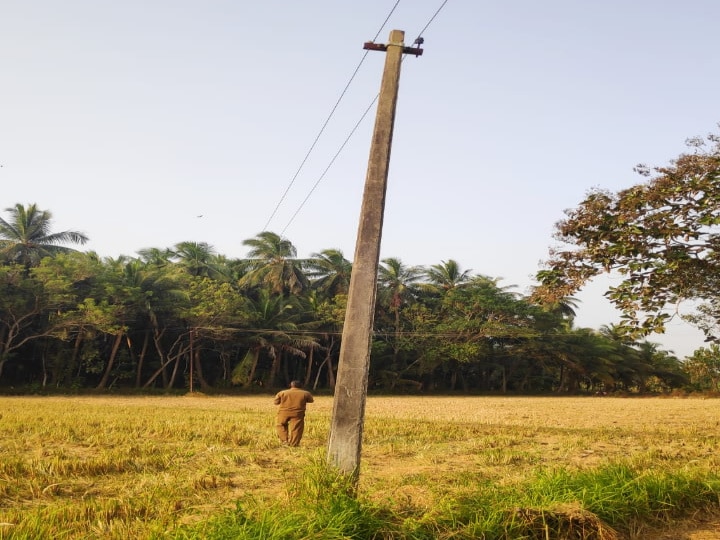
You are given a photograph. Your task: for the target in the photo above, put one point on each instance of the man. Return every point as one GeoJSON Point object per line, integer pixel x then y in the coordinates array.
{"type": "Point", "coordinates": [291, 413]}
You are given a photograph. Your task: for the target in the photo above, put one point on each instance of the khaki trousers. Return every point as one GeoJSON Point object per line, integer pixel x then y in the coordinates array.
{"type": "Point", "coordinates": [290, 427]}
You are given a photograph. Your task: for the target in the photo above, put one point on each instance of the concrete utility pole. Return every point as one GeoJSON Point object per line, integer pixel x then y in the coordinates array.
{"type": "Point", "coordinates": [348, 413]}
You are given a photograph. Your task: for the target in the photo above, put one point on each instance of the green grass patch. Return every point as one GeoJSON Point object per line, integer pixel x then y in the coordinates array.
{"type": "Point", "coordinates": [557, 503]}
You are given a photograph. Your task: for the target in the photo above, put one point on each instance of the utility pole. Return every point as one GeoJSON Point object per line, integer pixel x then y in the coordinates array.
{"type": "Point", "coordinates": [348, 413]}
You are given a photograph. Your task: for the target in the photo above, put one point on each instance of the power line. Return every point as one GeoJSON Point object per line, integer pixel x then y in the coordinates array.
{"type": "Point", "coordinates": [327, 120]}
{"type": "Point", "coordinates": [431, 19]}
{"type": "Point", "coordinates": [347, 139]}
{"type": "Point", "coordinates": [532, 335]}
{"type": "Point", "coordinates": [302, 204]}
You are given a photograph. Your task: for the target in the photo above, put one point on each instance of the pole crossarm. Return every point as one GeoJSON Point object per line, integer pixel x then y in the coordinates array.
{"type": "Point", "coordinates": [371, 46]}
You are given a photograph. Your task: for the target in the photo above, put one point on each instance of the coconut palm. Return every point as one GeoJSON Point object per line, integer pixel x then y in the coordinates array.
{"type": "Point", "coordinates": [446, 275]}
{"type": "Point", "coordinates": [200, 259]}
{"type": "Point", "coordinates": [156, 256]}
{"type": "Point", "coordinates": [563, 306]}
{"type": "Point", "coordinates": [273, 264]}
{"type": "Point", "coordinates": [25, 238]}
{"type": "Point", "coordinates": [397, 281]}
{"type": "Point", "coordinates": [273, 331]}
{"type": "Point", "coordinates": [330, 270]}
{"type": "Point", "coordinates": [396, 287]}
{"type": "Point", "coordinates": [158, 296]}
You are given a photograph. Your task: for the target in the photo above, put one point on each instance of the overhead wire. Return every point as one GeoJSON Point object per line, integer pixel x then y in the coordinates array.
{"type": "Point", "coordinates": [342, 146]}
{"type": "Point", "coordinates": [327, 121]}
{"type": "Point", "coordinates": [431, 19]}
{"type": "Point", "coordinates": [532, 336]}
{"type": "Point", "coordinates": [302, 204]}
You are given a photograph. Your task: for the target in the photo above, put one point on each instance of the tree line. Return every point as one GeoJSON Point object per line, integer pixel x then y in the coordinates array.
{"type": "Point", "coordinates": [188, 317]}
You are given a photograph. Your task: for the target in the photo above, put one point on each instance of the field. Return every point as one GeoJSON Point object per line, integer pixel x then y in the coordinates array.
{"type": "Point", "coordinates": [161, 467]}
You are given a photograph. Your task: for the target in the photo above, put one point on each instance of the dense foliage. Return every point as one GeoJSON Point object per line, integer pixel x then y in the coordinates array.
{"type": "Point", "coordinates": [662, 238]}
{"type": "Point", "coordinates": [188, 317]}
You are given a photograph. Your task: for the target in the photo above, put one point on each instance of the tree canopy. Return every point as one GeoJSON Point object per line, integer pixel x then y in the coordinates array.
{"type": "Point", "coordinates": [662, 237]}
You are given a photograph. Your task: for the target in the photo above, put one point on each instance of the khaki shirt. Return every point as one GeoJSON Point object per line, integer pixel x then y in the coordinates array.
{"type": "Point", "coordinates": [293, 400]}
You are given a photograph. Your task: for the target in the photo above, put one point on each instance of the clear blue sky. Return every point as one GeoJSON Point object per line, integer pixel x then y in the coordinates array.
{"type": "Point", "coordinates": [127, 120]}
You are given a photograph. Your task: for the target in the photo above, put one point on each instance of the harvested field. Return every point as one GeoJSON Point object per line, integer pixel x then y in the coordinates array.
{"type": "Point", "coordinates": [151, 463]}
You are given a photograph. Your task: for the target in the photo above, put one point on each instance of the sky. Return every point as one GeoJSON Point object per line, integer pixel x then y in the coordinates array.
{"type": "Point", "coordinates": [149, 123]}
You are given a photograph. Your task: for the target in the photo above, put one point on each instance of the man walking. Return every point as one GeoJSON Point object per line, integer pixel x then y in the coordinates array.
{"type": "Point", "coordinates": [290, 422]}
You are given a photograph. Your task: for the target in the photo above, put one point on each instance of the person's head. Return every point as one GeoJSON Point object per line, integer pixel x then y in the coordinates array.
{"type": "Point", "coordinates": [295, 384]}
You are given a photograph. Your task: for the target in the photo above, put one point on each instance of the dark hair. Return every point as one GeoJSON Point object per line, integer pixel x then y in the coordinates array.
{"type": "Point", "coordinates": [296, 384]}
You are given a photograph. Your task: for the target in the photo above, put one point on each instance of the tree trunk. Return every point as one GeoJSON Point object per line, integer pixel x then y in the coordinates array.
{"type": "Point", "coordinates": [224, 357]}
{"type": "Point", "coordinates": [308, 368]}
{"type": "Point", "coordinates": [285, 365]}
{"type": "Point", "coordinates": [198, 369]}
{"type": "Point", "coordinates": [166, 359]}
{"type": "Point", "coordinates": [106, 376]}
{"type": "Point", "coordinates": [319, 371]}
{"type": "Point", "coordinates": [157, 340]}
{"type": "Point", "coordinates": [171, 381]}
{"type": "Point", "coordinates": [330, 366]}
{"type": "Point", "coordinates": [274, 368]}
{"type": "Point", "coordinates": [75, 354]}
{"type": "Point", "coordinates": [561, 384]}
{"type": "Point", "coordinates": [453, 379]}
{"type": "Point", "coordinates": [141, 359]}
{"type": "Point", "coordinates": [4, 352]}
{"type": "Point", "coordinates": [44, 368]}
{"type": "Point", "coordinates": [253, 366]}
{"type": "Point", "coordinates": [244, 373]}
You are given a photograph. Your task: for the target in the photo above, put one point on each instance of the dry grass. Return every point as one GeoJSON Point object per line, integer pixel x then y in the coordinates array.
{"type": "Point", "coordinates": [569, 522]}
{"type": "Point", "coordinates": [129, 467]}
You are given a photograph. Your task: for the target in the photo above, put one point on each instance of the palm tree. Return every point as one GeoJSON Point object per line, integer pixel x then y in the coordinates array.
{"type": "Point", "coordinates": [564, 306]}
{"type": "Point", "coordinates": [663, 370]}
{"type": "Point", "coordinates": [199, 259]}
{"type": "Point", "coordinates": [273, 331]}
{"type": "Point", "coordinates": [396, 286]}
{"type": "Point", "coordinates": [615, 333]}
{"type": "Point", "coordinates": [273, 263]}
{"type": "Point", "coordinates": [557, 313]}
{"type": "Point", "coordinates": [156, 256]}
{"type": "Point", "coordinates": [158, 295]}
{"type": "Point", "coordinates": [446, 275]}
{"type": "Point", "coordinates": [25, 237]}
{"type": "Point", "coordinates": [331, 271]}
{"type": "Point", "coordinates": [397, 280]}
